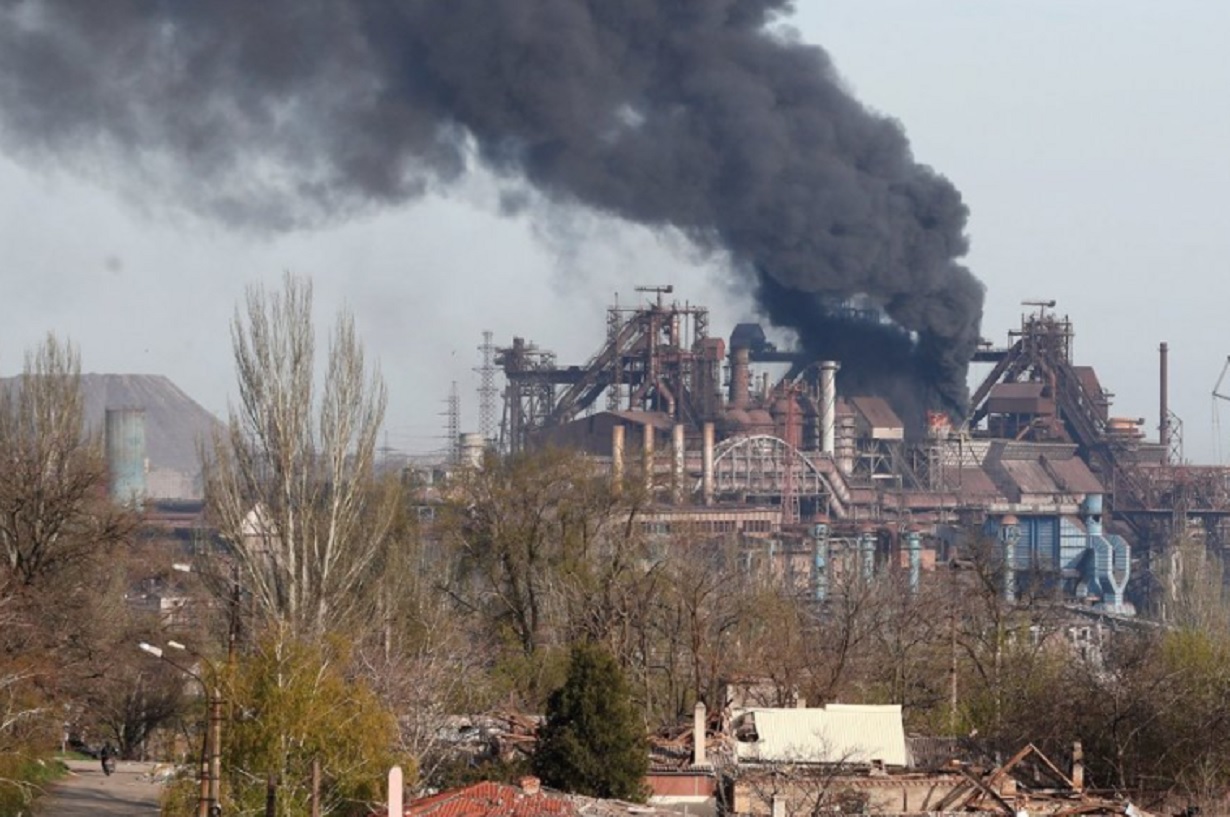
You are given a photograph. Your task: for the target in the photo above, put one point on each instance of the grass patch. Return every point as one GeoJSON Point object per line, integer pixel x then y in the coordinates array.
{"type": "Point", "coordinates": [23, 778]}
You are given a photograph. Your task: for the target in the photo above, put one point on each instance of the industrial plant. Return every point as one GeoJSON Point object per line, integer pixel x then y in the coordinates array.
{"type": "Point", "coordinates": [734, 436]}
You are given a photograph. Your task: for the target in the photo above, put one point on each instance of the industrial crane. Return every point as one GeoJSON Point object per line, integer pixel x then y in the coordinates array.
{"type": "Point", "coordinates": [1218, 394]}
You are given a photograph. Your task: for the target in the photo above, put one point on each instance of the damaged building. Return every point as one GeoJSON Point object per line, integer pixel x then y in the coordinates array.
{"type": "Point", "coordinates": [738, 437]}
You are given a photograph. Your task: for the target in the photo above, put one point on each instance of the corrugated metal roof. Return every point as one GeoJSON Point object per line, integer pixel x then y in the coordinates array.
{"type": "Point", "coordinates": [877, 412]}
{"type": "Point", "coordinates": [969, 481]}
{"type": "Point", "coordinates": [838, 733]}
{"type": "Point", "coordinates": [1044, 475]}
{"type": "Point", "coordinates": [1030, 477]}
{"type": "Point", "coordinates": [1072, 474]}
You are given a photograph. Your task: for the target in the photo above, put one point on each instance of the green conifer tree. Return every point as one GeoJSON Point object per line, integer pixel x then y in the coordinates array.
{"type": "Point", "coordinates": [593, 741]}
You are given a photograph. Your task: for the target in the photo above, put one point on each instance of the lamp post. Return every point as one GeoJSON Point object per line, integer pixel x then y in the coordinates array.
{"type": "Point", "coordinates": [208, 804]}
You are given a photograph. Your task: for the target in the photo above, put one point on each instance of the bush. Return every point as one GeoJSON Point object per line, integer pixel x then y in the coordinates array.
{"type": "Point", "coordinates": [22, 779]}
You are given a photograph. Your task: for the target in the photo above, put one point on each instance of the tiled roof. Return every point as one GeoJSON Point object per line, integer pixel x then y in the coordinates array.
{"type": "Point", "coordinates": [488, 799]}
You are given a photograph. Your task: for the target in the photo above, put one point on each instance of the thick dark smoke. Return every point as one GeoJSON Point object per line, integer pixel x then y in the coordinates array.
{"type": "Point", "coordinates": [690, 114]}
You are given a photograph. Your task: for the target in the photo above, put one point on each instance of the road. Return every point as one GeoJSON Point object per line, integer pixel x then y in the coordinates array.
{"type": "Point", "coordinates": [87, 791]}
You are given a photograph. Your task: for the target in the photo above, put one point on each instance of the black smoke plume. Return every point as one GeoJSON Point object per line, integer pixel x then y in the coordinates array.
{"type": "Point", "coordinates": [697, 115]}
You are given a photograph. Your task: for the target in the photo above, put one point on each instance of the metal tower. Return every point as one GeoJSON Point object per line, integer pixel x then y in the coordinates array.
{"type": "Point", "coordinates": [486, 389]}
{"type": "Point", "coordinates": [453, 415]}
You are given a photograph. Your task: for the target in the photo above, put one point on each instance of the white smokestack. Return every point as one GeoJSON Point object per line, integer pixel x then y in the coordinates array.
{"type": "Point", "coordinates": [828, 406]}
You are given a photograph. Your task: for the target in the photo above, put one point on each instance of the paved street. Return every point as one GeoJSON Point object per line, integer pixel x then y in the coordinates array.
{"type": "Point", "coordinates": [87, 791]}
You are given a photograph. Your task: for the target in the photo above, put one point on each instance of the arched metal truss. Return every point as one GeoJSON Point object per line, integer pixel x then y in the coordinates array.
{"type": "Point", "coordinates": [764, 465]}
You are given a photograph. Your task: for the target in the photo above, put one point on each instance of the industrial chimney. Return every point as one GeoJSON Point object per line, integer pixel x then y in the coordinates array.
{"type": "Point", "coordinates": [828, 406]}
{"type": "Point", "coordinates": [1163, 422]}
{"type": "Point", "coordinates": [740, 376]}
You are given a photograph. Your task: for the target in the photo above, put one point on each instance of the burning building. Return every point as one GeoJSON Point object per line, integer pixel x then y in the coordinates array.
{"type": "Point", "coordinates": [831, 473]}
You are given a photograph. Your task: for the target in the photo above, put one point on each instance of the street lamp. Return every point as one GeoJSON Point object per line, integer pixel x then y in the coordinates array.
{"type": "Point", "coordinates": [208, 804]}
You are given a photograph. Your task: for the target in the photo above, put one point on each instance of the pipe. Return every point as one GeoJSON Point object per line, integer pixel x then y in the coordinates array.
{"type": "Point", "coordinates": [677, 455]}
{"type": "Point", "coordinates": [617, 454]}
{"type": "Point", "coordinates": [648, 433]}
{"type": "Point", "coordinates": [707, 463]}
{"type": "Point", "coordinates": [1092, 510]}
{"type": "Point", "coordinates": [820, 563]}
{"type": "Point", "coordinates": [867, 549]}
{"type": "Point", "coordinates": [913, 542]}
{"type": "Point", "coordinates": [1009, 534]}
{"type": "Point", "coordinates": [828, 406]}
{"type": "Point", "coordinates": [1163, 424]}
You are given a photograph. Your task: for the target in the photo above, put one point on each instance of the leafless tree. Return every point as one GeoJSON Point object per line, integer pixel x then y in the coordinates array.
{"type": "Point", "coordinates": [53, 507]}
{"type": "Point", "coordinates": [291, 487]}
{"type": "Point", "coordinates": [538, 537]}
{"type": "Point", "coordinates": [423, 660]}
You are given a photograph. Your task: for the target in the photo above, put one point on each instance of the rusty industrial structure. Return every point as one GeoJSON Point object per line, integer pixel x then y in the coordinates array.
{"type": "Point", "coordinates": [739, 437]}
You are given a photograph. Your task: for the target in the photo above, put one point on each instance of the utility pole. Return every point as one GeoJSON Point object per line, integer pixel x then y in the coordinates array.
{"type": "Point", "coordinates": [209, 802]}
{"type": "Point", "coordinates": [215, 751]}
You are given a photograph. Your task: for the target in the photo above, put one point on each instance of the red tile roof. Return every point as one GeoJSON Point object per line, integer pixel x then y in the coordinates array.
{"type": "Point", "coordinates": [489, 799]}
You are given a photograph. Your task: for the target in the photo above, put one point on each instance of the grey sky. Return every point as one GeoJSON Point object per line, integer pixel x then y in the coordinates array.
{"type": "Point", "coordinates": [1088, 140]}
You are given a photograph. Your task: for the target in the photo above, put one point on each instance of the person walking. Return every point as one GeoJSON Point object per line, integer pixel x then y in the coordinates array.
{"type": "Point", "coordinates": [108, 759]}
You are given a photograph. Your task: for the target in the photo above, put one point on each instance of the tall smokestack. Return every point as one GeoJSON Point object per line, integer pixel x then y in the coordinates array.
{"type": "Point", "coordinates": [1163, 424]}
{"type": "Point", "coordinates": [697, 116]}
{"type": "Point", "coordinates": [740, 377]}
{"type": "Point", "coordinates": [828, 406]}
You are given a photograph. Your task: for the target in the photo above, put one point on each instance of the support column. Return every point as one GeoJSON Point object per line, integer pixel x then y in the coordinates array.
{"type": "Point", "coordinates": [617, 455]}
{"type": "Point", "coordinates": [677, 463]}
{"type": "Point", "coordinates": [647, 437]}
{"type": "Point", "coordinates": [867, 550]}
{"type": "Point", "coordinates": [707, 463]}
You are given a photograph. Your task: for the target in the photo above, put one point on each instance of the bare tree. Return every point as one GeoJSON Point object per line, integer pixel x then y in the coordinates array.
{"type": "Point", "coordinates": [538, 539]}
{"type": "Point", "coordinates": [422, 660]}
{"type": "Point", "coordinates": [53, 507]}
{"type": "Point", "coordinates": [291, 487]}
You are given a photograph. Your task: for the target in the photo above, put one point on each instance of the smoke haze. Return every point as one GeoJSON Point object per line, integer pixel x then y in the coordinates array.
{"type": "Point", "coordinates": [697, 116]}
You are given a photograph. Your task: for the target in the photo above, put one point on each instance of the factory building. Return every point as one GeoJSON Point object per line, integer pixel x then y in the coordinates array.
{"type": "Point", "coordinates": [739, 437]}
